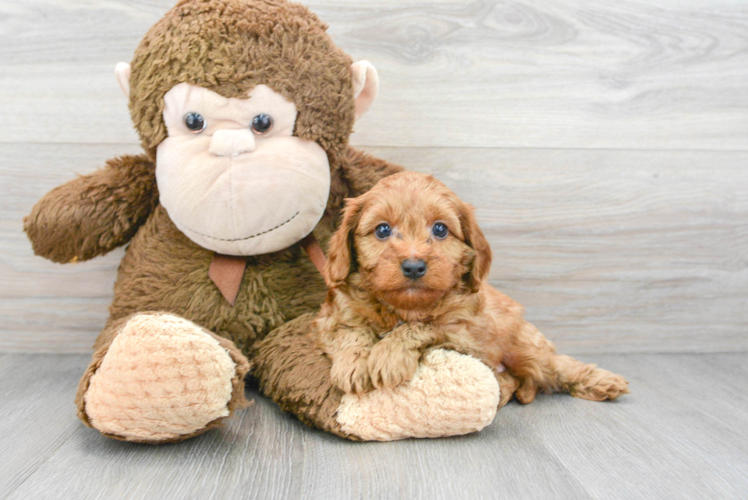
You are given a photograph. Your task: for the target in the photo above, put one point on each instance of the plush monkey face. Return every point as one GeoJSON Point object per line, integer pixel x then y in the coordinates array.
{"type": "Point", "coordinates": [247, 106]}
{"type": "Point", "coordinates": [231, 174]}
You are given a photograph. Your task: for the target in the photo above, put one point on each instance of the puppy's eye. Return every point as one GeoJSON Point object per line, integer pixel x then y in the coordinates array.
{"type": "Point", "coordinates": [440, 230]}
{"type": "Point", "coordinates": [195, 122]}
{"type": "Point", "coordinates": [383, 231]}
{"type": "Point", "coordinates": [261, 124]}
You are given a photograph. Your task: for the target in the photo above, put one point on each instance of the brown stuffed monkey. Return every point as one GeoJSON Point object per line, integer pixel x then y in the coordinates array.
{"type": "Point", "coordinates": [244, 109]}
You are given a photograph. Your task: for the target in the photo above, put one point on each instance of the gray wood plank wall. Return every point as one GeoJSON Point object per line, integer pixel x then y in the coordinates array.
{"type": "Point", "coordinates": [604, 144]}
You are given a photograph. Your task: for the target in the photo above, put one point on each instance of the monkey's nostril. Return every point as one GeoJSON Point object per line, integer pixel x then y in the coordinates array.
{"type": "Point", "coordinates": [413, 269]}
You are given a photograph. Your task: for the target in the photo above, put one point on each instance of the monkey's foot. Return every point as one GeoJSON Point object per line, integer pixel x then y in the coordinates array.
{"type": "Point", "coordinates": [450, 394]}
{"type": "Point", "coordinates": [163, 379]}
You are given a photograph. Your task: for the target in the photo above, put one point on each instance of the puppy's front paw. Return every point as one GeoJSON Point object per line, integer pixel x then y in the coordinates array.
{"type": "Point", "coordinates": [391, 365]}
{"type": "Point", "coordinates": [350, 372]}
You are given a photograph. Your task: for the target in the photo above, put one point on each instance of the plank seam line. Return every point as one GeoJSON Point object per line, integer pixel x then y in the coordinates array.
{"type": "Point", "coordinates": [499, 148]}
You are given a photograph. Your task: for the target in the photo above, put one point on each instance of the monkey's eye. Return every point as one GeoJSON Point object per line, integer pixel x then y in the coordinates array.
{"type": "Point", "coordinates": [261, 124]}
{"type": "Point", "coordinates": [383, 231]}
{"type": "Point", "coordinates": [195, 122]}
{"type": "Point", "coordinates": [440, 230]}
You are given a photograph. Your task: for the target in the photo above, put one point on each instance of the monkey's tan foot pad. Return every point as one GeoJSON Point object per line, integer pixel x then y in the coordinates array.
{"type": "Point", "coordinates": [164, 379]}
{"type": "Point", "coordinates": [450, 394]}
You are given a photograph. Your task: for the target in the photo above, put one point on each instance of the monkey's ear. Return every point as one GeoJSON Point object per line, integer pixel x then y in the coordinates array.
{"type": "Point", "coordinates": [474, 237]}
{"type": "Point", "coordinates": [365, 85]}
{"type": "Point", "coordinates": [122, 74]}
{"type": "Point", "coordinates": [340, 253]}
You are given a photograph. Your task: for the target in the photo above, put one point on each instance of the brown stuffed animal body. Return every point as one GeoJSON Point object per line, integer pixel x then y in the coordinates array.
{"type": "Point", "coordinates": [244, 109]}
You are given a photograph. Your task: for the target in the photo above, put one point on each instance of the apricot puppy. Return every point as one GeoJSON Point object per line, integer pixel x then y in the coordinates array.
{"type": "Point", "coordinates": [407, 273]}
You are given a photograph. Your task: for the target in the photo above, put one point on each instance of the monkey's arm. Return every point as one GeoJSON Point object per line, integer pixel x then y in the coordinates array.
{"type": "Point", "coordinates": [362, 171]}
{"type": "Point", "coordinates": [94, 213]}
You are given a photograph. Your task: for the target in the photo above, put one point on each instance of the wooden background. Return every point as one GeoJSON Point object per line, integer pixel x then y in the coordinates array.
{"type": "Point", "coordinates": [605, 145]}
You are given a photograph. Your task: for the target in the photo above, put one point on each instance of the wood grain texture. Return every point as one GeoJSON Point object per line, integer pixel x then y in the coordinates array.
{"type": "Point", "coordinates": [610, 251]}
{"type": "Point", "coordinates": [679, 434]}
{"type": "Point", "coordinates": [677, 409]}
{"type": "Point", "coordinates": [44, 306]}
{"type": "Point", "coordinates": [481, 73]}
{"type": "Point", "coordinates": [37, 414]}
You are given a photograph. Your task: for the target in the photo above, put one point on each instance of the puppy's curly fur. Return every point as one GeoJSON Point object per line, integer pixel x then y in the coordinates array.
{"type": "Point", "coordinates": [380, 316]}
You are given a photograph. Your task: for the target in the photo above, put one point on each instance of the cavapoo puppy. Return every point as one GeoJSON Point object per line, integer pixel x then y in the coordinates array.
{"type": "Point", "coordinates": [407, 272]}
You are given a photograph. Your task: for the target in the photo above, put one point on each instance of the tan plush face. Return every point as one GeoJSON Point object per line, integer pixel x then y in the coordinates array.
{"type": "Point", "coordinates": [409, 243]}
{"type": "Point", "coordinates": [232, 175]}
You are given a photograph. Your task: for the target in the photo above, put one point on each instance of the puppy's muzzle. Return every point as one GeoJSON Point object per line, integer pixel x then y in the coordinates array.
{"type": "Point", "coordinates": [413, 269]}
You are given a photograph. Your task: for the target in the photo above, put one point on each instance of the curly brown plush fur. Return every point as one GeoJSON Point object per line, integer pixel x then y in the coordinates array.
{"type": "Point", "coordinates": [380, 316]}
{"type": "Point", "coordinates": [95, 213]}
{"type": "Point", "coordinates": [230, 46]}
{"type": "Point", "coordinates": [227, 46]}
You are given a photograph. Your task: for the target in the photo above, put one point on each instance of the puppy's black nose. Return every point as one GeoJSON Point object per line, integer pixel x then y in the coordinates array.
{"type": "Point", "coordinates": [413, 269]}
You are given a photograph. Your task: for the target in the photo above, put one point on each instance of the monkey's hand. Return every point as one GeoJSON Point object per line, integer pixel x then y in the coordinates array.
{"type": "Point", "coordinates": [94, 213]}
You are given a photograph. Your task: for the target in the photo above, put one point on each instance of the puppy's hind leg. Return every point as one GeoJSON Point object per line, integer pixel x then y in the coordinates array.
{"type": "Point", "coordinates": [508, 384]}
{"type": "Point", "coordinates": [588, 381]}
{"type": "Point", "coordinates": [534, 360]}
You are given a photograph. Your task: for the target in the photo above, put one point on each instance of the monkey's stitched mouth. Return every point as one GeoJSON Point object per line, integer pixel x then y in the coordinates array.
{"type": "Point", "coordinates": [248, 237]}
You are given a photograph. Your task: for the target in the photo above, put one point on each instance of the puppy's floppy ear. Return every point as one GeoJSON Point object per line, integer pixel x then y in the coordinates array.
{"type": "Point", "coordinates": [474, 238]}
{"type": "Point", "coordinates": [341, 255]}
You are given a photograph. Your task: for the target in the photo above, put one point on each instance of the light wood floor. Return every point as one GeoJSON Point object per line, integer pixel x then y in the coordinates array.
{"type": "Point", "coordinates": [681, 433]}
